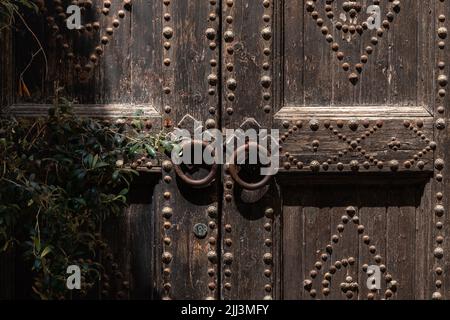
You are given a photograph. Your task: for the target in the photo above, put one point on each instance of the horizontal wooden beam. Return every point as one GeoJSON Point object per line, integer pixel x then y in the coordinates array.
{"type": "Point", "coordinates": [291, 112]}
{"type": "Point", "coordinates": [88, 110]}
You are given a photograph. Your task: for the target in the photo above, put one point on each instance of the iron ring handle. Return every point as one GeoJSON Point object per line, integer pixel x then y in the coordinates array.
{"type": "Point", "coordinates": [232, 168]}
{"type": "Point", "coordinates": [200, 182]}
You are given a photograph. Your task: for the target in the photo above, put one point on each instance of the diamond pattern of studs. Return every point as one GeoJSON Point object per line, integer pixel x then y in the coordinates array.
{"type": "Point", "coordinates": [352, 8]}
{"type": "Point", "coordinates": [350, 287]}
{"type": "Point", "coordinates": [55, 15]}
{"type": "Point", "coordinates": [354, 145]}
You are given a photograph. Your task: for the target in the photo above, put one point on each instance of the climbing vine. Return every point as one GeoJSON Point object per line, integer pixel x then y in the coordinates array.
{"type": "Point", "coordinates": [60, 177]}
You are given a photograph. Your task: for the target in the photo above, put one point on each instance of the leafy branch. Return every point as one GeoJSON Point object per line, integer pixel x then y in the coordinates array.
{"type": "Point", "coordinates": [61, 177]}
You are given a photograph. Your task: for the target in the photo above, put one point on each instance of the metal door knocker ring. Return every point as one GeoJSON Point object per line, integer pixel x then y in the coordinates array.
{"type": "Point", "coordinates": [203, 182]}
{"type": "Point", "coordinates": [234, 172]}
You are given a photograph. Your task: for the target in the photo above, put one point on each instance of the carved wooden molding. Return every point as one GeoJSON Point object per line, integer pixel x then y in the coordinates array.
{"type": "Point", "coordinates": [88, 110]}
{"type": "Point", "coordinates": [352, 112]}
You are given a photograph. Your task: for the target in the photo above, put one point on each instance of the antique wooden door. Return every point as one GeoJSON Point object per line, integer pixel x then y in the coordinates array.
{"type": "Point", "coordinates": [362, 115]}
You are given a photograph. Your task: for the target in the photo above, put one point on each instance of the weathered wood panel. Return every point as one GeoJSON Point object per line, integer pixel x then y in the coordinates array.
{"type": "Point", "coordinates": [6, 68]}
{"type": "Point", "coordinates": [190, 88]}
{"type": "Point", "coordinates": [247, 50]}
{"type": "Point", "coordinates": [402, 36]}
{"type": "Point", "coordinates": [250, 220]}
{"type": "Point", "coordinates": [386, 144]}
{"type": "Point", "coordinates": [401, 242]}
{"type": "Point", "coordinates": [250, 248]}
{"type": "Point", "coordinates": [293, 51]}
{"type": "Point", "coordinates": [440, 187]}
{"type": "Point", "coordinates": [323, 47]}
{"type": "Point", "coordinates": [373, 216]}
{"type": "Point", "coordinates": [186, 264]}
{"type": "Point", "coordinates": [374, 148]}
{"type": "Point", "coordinates": [426, 49]}
{"type": "Point", "coordinates": [129, 259]}
{"type": "Point", "coordinates": [332, 240]}
{"type": "Point", "coordinates": [109, 61]}
{"type": "Point", "coordinates": [146, 53]}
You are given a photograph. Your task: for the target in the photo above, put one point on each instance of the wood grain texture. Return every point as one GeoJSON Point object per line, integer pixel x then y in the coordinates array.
{"type": "Point", "coordinates": [188, 64]}
{"type": "Point", "coordinates": [423, 257]}
{"type": "Point", "coordinates": [425, 43]}
{"type": "Point", "coordinates": [129, 259]}
{"type": "Point", "coordinates": [6, 68]}
{"type": "Point", "coordinates": [319, 77]}
{"type": "Point", "coordinates": [401, 241]}
{"type": "Point", "coordinates": [249, 59]}
{"type": "Point", "coordinates": [246, 57]}
{"type": "Point", "coordinates": [373, 216]}
{"type": "Point", "coordinates": [293, 221]}
{"type": "Point", "coordinates": [440, 184]}
{"type": "Point", "coordinates": [189, 277]}
{"type": "Point", "coordinates": [245, 227]}
{"type": "Point", "coordinates": [334, 142]}
{"type": "Point", "coordinates": [105, 111]}
{"type": "Point", "coordinates": [146, 53]}
{"type": "Point", "coordinates": [388, 214]}
{"type": "Point", "coordinates": [397, 84]}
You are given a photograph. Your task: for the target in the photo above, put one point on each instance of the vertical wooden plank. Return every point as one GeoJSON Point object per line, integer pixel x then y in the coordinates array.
{"type": "Point", "coordinates": [250, 254]}
{"type": "Point", "coordinates": [188, 264]}
{"type": "Point", "coordinates": [441, 181]}
{"type": "Point", "coordinates": [374, 79]}
{"type": "Point", "coordinates": [316, 234]}
{"type": "Point", "coordinates": [343, 91]}
{"type": "Point", "coordinates": [310, 245]}
{"type": "Point", "coordinates": [6, 67]}
{"type": "Point", "coordinates": [87, 85]}
{"type": "Point", "coordinates": [400, 235]}
{"type": "Point", "coordinates": [146, 53]}
{"type": "Point", "coordinates": [116, 260]}
{"type": "Point", "coordinates": [192, 271]}
{"type": "Point", "coordinates": [191, 62]}
{"type": "Point", "coordinates": [159, 247]}
{"type": "Point", "coordinates": [293, 51]}
{"type": "Point", "coordinates": [273, 241]}
{"type": "Point", "coordinates": [245, 50]}
{"type": "Point", "coordinates": [403, 61]}
{"type": "Point", "coordinates": [426, 64]}
{"type": "Point", "coordinates": [248, 92]}
{"type": "Point", "coordinates": [293, 254]}
{"type": "Point", "coordinates": [372, 214]}
{"type": "Point", "coordinates": [318, 59]}
{"type": "Point", "coordinates": [129, 258]}
{"type": "Point", "coordinates": [141, 216]}
{"type": "Point", "coordinates": [114, 72]}
{"type": "Point", "coordinates": [424, 242]}
{"type": "Point", "coordinates": [443, 191]}
{"type": "Point", "coordinates": [325, 230]}
{"type": "Point", "coordinates": [345, 251]}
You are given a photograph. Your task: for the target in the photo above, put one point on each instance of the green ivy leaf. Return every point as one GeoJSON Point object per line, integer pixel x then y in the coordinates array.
{"type": "Point", "coordinates": [150, 151]}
